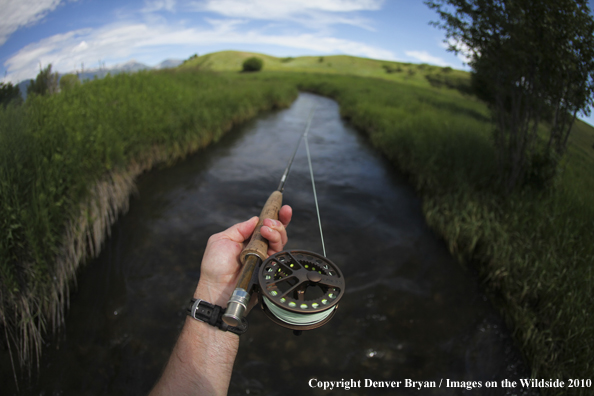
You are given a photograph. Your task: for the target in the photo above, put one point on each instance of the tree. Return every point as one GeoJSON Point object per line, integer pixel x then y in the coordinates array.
{"type": "Point", "coordinates": [252, 64]}
{"type": "Point", "coordinates": [533, 62]}
{"type": "Point", "coordinates": [9, 93]}
{"type": "Point", "coordinates": [69, 81]}
{"type": "Point", "coordinates": [46, 82]}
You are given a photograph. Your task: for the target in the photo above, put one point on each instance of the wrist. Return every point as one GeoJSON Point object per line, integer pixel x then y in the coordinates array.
{"type": "Point", "coordinates": [205, 335]}
{"type": "Point", "coordinates": [211, 337]}
{"type": "Point", "coordinates": [213, 293]}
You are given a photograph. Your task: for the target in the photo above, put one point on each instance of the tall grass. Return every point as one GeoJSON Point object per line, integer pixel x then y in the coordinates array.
{"type": "Point", "coordinates": [68, 164]}
{"type": "Point", "coordinates": [534, 250]}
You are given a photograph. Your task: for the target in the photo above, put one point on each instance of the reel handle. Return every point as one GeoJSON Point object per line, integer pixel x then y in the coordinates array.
{"type": "Point", "coordinates": [251, 257]}
{"type": "Point", "coordinates": [258, 245]}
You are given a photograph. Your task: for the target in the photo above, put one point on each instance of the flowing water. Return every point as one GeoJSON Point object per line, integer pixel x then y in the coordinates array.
{"type": "Point", "coordinates": [409, 311]}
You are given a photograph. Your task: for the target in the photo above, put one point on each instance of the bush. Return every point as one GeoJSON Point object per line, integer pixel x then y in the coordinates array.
{"type": "Point", "coordinates": [252, 64]}
{"type": "Point", "coordinates": [46, 83]}
{"type": "Point", "coordinates": [69, 81]}
{"type": "Point", "coordinates": [9, 93]}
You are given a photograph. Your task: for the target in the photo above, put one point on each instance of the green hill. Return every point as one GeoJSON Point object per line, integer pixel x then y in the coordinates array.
{"type": "Point", "coordinates": [416, 74]}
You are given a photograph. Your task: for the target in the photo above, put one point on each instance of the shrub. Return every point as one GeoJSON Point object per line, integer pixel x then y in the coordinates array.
{"type": "Point", "coordinates": [252, 64]}
{"type": "Point", "coordinates": [9, 93]}
{"type": "Point", "coordinates": [46, 83]}
{"type": "Point", "coordinates": [69, 81]}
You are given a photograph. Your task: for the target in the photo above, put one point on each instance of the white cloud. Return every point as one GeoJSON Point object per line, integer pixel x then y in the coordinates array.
{"type": "Point", "coordinates": [18, 13]}
{"type": "Point", "coordinates": [158, 5]}
{"type": "Point", "coordinates": [266, 9]}
{"type": "Point", "coordinates": [464, 52]}
{"type": "Point", "coordinates": [81, 47]}
{"type": "Point", "coordinates": [118, 43]}
{"type": "Point", "coordinates": [426, 57]}
{"type": "Point", "coordinates": [312, 13]}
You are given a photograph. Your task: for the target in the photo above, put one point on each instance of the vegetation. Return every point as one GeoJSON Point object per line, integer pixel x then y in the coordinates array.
{"type": "Point", "coordinates": [252, 64]}
{"type": "Point", "coordinates": [392, 69]}
{"type": "Point", "coordinates": [532, 248]}
{"type": "Point", "coordinates": [46, 83]}
{"type": "Point", "coordinates": [195, 56]}
{"type": "Point", "coordinates": [67, 166]}
{"type": "Point", "coordinates": [9, 93]}
{"type": "Point", "coordinates": [532, 61]}
{"type": "Point", "coordinates": [412, 74]}
{"type": "Point", "coordinates": [68, 82]}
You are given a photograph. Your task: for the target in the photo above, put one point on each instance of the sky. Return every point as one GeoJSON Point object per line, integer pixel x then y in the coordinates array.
{"type": "Point", "coordinates": [86, 34]}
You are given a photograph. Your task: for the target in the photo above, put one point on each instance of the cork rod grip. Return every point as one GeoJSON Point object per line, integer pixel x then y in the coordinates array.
{"type": "Point", "coordinates": [258, 245]}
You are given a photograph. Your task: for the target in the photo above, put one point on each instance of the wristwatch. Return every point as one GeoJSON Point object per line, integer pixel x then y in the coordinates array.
{"type": "Point", "coordinates": [212, 314]}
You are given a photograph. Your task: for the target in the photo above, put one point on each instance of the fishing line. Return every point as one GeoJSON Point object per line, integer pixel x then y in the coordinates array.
{"type": "Point", "coordinates": [298, 289]}
{"type": "Point", "coordinates": [299, 319]}
{"type": "Point", "coordinates": [294, 310]}
{"type": "Point", "coordinates": [285, 175]}
{"type": "Point", "coordinates": [313, 184]}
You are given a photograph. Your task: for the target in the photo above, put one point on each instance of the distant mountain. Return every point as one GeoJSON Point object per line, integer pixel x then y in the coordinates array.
{"type": "Point", "coordinates": [167, 63]}
{"type": "Point", "coordinates": [128, 67]}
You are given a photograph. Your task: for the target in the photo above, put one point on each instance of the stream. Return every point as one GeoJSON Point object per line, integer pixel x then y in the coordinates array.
{"type": "Point", "coordinates": [410, 311]}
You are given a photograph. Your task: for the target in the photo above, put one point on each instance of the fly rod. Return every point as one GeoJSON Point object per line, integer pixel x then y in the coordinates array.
{"type": "Point", "coordinates": [298, 289]}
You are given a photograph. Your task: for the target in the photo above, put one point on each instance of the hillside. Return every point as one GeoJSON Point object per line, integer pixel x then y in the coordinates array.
{"type": "Point", "coordinates": [416, 74]}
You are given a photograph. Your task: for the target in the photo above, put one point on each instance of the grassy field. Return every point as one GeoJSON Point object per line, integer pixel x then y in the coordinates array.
{"type": "Point", "coordinates": [533, 249]}
{"type": "Point", "coordinates": [411, 74]}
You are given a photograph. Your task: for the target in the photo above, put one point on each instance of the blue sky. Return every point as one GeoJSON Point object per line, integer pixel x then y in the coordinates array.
{"type": "Point", "coordinates": [67, 33]}
{"type": "Point", "coordinates": [72, 33]}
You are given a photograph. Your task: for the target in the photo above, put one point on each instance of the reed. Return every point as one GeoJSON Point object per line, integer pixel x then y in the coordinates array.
{"type": "Point", "coordinates": [67, 168]}
{"type": "Point", "coordinates": [533, 250]}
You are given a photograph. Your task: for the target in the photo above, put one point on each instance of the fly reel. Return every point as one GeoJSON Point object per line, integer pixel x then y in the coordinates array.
{"type": "Point", "coordinates": [300, 290]}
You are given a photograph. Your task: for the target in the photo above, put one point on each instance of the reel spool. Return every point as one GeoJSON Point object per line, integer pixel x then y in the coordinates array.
{"type": "Point", "coordinates": [300, 290]}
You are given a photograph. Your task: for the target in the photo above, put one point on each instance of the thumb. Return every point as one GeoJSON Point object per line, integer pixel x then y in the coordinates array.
{"type": "Point", "coordinates": [243, 231]}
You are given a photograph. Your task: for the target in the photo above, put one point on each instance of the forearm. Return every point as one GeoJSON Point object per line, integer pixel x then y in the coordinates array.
{"type": "Point", "coordinates": [202, 360]}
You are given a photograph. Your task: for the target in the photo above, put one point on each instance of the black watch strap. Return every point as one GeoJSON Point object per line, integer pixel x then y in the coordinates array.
{"type": "Point", "coordinates": [213, 315]}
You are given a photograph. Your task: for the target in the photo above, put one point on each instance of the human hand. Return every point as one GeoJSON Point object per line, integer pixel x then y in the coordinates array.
{"type": "Point", "coordinates": [220, 264]}
{"type": "Point", "coordinates": [186, 371]}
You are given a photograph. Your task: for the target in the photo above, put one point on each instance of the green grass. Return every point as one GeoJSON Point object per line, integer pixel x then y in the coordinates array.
{"type": "Point", "coordinates": [67, 164]}
{"type": "Point", "coordinates": [533, 250]}
{"type": "Point", "coordinates": [411, 74]}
